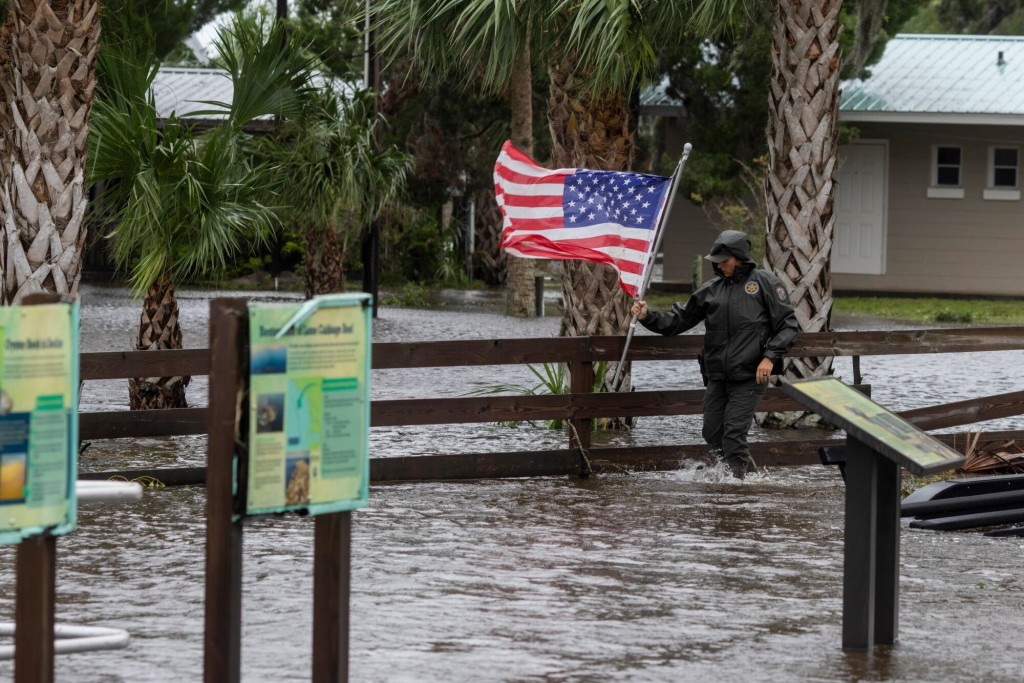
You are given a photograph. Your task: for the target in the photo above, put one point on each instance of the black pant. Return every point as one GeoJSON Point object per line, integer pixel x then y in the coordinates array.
{"type": "Point", "coordinates": [728, 411]}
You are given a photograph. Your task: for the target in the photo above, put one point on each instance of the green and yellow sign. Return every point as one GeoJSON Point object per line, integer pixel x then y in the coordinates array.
{"type": "Point", "coordinates": [309, 406]}
{"type": "Point", "coordinates": [38, 420]}
{"type": "Point", "coordinates": [863, 419]}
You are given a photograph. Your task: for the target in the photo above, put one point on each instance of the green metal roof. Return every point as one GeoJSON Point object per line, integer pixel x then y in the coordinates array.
{"type": "Point", "coordinates": [941, 74]}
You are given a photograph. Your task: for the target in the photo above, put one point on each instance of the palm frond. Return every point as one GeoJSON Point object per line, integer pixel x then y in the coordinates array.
{"type": "Point", "coordinates": [270, 75]}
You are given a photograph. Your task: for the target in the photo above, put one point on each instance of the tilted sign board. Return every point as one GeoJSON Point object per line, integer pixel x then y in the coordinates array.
{"type": "Point", "coordinates": [889, 434]}
{"type": "Point", "coordinates": [38, 419]}
{"type": "Point", "coordinates": [309, 406]}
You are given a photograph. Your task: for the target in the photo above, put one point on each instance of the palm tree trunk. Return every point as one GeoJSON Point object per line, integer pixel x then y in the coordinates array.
{"type": "Point", "coordinates": [158, 330]}
{"type": "Point", "coordinates": [489, 258]}
{"type": "Point", "coordinates": [803, 154]}
{"type": "Point", "coordinates": [519, 290]}
{"type": "Point", "coordinates": [47, 78]}
{"type": "Point", "coordinates": [594, 134]}
{"type": "Point", "coordinates": [323, 260]}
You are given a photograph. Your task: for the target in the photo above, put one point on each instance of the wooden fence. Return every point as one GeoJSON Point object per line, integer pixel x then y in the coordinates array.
{"type": "Point", "coordinates": [578, 407]}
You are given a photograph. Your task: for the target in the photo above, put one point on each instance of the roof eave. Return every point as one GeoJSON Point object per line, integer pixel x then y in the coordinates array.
{"type": "Point", "coordinates": [948, 118]}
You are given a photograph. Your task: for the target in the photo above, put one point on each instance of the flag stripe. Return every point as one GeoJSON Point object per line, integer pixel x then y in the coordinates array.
{"type": "Point", "coordinates": [604, 217]}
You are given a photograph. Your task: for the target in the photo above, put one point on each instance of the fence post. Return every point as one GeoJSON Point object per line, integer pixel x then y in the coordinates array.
{"type": "Point", "coordinates": [222, 641]}
{"type": "Point", "coordinates": [36, 572]}
{"type": "Point", "coordinates": [581, 381]}
{"type": "Point", "coordinates": [332, 570]}
{"type": "Point", "coordinates": [538, 295]}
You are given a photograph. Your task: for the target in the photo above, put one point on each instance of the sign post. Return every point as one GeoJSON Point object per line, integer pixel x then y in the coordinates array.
{"type": "Point", "coordinates": [38, 463]}
{"type": "Point", "coordinates": [879, 443]}
{"type": "Point", "coordinates": [298, 442]}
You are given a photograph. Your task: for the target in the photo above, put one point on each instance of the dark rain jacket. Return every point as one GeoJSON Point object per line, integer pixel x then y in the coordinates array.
{"type": "Point", "coordinates": [746, 318]}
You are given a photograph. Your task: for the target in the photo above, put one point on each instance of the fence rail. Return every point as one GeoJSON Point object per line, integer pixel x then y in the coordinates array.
{"type": "Point", "coordinates": [578, 407]}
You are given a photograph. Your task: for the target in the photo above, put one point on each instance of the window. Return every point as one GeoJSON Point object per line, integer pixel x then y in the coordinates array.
{"type": "Point", "coordinates": [947, 175]}
{"type": "Point", "coordinates": [947, 166]}
{"type": "Point", "coordinates": [1003, 174]}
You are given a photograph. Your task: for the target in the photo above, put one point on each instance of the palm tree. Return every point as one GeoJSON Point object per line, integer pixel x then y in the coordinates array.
{"type": "Point", "coordinates": [596, 52]}
{"type": "Point", "coordinates": [487, 43]}
{"type": "Point", "coordinates": [338, 181]}
{"type": "Point", "coordinates": [47, 79]}
{"type": "Point", "coordinates": [182, 205]}
{"type": "Point", "coordinates": [803, 147]}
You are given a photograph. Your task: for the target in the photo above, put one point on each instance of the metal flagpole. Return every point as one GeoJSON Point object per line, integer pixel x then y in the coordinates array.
{"type": "Point", "coordinates": [653, 254]}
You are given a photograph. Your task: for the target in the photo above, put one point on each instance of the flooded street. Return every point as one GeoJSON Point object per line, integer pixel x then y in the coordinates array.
{"type": "Point", "coordinates": [650, 577]}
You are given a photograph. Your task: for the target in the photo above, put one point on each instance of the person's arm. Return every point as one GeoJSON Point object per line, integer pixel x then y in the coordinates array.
{"type": "Point", "coordinates": [679, 319]}
{"type": "Point", "coordinates": [782, 319]}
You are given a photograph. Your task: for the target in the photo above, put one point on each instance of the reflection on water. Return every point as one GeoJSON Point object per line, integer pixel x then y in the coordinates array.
{"type": "Point", "coordinates": [673, 576]}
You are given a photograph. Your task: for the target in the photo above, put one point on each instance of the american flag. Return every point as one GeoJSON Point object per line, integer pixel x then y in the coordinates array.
{"type": "Point", "coordinates": [608, 217]}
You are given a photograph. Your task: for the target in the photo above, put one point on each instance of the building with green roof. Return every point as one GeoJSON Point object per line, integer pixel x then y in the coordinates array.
{"type": "Point", "coordinates": [928, 196]}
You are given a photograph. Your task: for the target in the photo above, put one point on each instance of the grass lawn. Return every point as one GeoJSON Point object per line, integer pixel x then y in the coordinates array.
{"type": "Point", "coordinates": [919, 310]}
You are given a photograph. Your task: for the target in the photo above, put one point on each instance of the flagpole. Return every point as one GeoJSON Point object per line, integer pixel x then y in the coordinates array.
{"type": "Point", "coordinates": [648, 270]}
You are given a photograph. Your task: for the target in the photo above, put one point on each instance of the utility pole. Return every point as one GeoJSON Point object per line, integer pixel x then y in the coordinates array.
{"type": "Point", "coordinates": [371, 238]}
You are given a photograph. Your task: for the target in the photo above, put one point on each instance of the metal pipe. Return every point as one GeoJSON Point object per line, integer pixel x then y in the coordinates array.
{"type": "Point", "coordinates": [652, 255]}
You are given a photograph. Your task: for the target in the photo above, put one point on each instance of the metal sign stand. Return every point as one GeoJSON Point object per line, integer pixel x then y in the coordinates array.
{"type": "Point", "coordinates": [878, 444]}
{"type": "Point", "coordinates": [872, 548]}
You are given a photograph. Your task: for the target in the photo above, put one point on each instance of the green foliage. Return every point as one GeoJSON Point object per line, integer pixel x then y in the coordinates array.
{"type": "Point", "coordinates": [747, 212]}
{"type": "Point", "coordinates": [967, 17]}
{"type": "Point", "coordinates": [485, 38]}
{"type": "Point", "coordinates": [932, 309]}
{"type": "Point", "coordinates": [332, 32]}
{"type": "Point", "coordinates": [948, 316]}
{"type": "Point", "coordinates": [421, 246]}
{"type": "Point", "coordinates": [553, 378]}
{"type": "Point", "coordinates": [171, 21]}
{"type": "Point", "coordinates": [724, 86]}
{"type": "Point", "coordinates": [409, 295]}
{"type": "Point", "coordinates": [183, 204]}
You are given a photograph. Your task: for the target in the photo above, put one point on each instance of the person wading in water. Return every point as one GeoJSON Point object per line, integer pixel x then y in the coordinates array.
{"type": "Point", "coordinates": [749, 325]}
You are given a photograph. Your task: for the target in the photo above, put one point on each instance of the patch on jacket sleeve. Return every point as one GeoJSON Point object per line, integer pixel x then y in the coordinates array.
{"type": "Point", "coordinates": [780, 292]}
{"type": "Point", "coordinates": [752, 287]}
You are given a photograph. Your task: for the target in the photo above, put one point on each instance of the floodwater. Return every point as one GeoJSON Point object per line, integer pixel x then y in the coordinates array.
{"type": "Point", "coordinates": [665, 576]}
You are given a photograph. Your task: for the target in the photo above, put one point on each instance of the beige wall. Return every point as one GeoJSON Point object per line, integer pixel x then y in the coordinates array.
{"type": "Point", "coordinates": [945, 246]}
{"type": "Point", "coordinates": [933, 246]}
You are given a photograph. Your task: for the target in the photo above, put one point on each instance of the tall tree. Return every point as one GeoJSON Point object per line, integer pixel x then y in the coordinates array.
{"type": "Point", "coordinates": [182, 205]}
{"type": "Point", "coordinates": [806, 58]}
{"type": "Point", "coordinates": [596, 53]}
{"type": "Point", "coordinates": [488, 43]}
{"type": "Point", "coordinates": [803, 146]}
{"type": "Point", "coordinates": [171, 21]}
{"type": "Point", "coordinates": [47, 78]}
{"type": "Point", "coordinates": [336, 178]}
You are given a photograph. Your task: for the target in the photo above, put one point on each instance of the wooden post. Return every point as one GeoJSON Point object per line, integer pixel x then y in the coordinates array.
{"type": "Point", "coordinates": [36, 572]}
{"type": "Point", "coordinates": [222, 642]}
{"type": "Point", "coordinates": [332, 563]}
{"type": "Point", "coordinates": [36, 587]}
{"type": "Point", "coordinates": [581, 381]}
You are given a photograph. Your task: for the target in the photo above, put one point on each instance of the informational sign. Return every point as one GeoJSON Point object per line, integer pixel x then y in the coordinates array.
{"type": "Point", "coordinates": [865, 420]}
{"type": "Point", "coordinates": [309, 406]}
{"type": "Point", "coordinates": [38, 420]}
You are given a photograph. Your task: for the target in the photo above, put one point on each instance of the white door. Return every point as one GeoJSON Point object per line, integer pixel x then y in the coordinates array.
{"type": "Point", "coordinates": [859, 242]}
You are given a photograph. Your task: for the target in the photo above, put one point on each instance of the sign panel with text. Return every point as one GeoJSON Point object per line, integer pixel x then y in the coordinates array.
{"type": "Point", "coordinates": [309, 406]}
{"type": "Point", "coordinates": [38, 420]}
{"type": "Point", "coordinates": [889, 434]}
